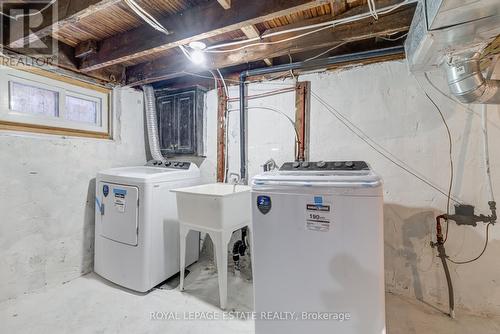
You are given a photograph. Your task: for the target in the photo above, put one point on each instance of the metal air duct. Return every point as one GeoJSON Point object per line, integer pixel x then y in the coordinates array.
{"type": "Point", "coordinates": [467, 83]}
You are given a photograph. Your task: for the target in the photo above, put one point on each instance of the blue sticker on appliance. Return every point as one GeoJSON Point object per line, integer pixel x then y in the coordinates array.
{"type": "Point", "coordinates": [119, 193]}
{"type": "Point", "coordinates": [264, 204]}
{"type": "Point", "coordinates": [105, 190]}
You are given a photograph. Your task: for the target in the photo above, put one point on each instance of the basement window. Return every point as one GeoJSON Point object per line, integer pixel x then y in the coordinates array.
{"type": "Point", "coordinates": [33, 100]}
{"type": "Point", "coordinates": [83, 110]}
{"type": "Point", "coordinates": [35, 103]}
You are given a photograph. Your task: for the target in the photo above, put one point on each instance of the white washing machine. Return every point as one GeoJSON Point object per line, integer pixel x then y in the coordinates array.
{"type": "Point", "coordinates": [136, 224]}
{"type": "Point", "coordinates": [318, 249]}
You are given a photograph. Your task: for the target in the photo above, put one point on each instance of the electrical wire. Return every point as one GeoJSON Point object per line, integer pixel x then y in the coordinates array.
{"type": "Point", "coordinates": [16, 17]}
{"type": "Point", "coordinates": [325, 52]}
{"type": "Point", "coordinates": [328, 24]}
{"type": "Point", "coordinates": [482, 252]}
{"type": "Point", "coordinates": [247, 82]}
{"type": "Point", "coordinates": [149, 19]}
{"type": "Point", "coordinates": [452, 169]}
{"type": "Point", "coordinates": [277, 111]}
{"type": "Point", "coordinates": [450, 152]}
{"type": "Point", "coordinates": [393, 39]}
{"type": "Point", "coordinates": [380, 150]}
{"type": "Point", "coordinates": [484, 128]}
{"type": "Point", "coordinates": [209, 50]}
{"type": "Point", "coordinates": [266, 94]}
{"type": "Point", "coordinates": [373, 9]}
{"type": "Point", "coordinates": [224, 83]}
{"type": "Point", "coordinates": [444, 94]}
{"type": "Point", "coordinates": [142, 13]}
{"type": "Point", "coordinates": [216, 80]}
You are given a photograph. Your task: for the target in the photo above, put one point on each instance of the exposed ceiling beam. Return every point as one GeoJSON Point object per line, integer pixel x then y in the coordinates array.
{"type": "Point", "coordinates": [64, 61]}
{"type": "Point", "coordinates": [226, 4]}
{"type": "Point", "coordinates": [167, 68]}
{"type": "Point", "coordinates": [194, 24]}
{"type": "Point", "coordinates": [252, 32]}
{"type": "Point", "coordinates": [67, 12]}
{"type": "Point", "coordinates": [338, 6]}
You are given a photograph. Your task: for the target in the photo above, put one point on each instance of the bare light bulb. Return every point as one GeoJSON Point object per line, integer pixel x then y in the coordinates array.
{"type": "Point", "coordinates": [198, 57]}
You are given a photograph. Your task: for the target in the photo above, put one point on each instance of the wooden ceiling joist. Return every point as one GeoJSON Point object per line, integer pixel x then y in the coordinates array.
{"type": "Point", "coordinates": [167, 68]}
{"type": "Point", "coordinates": [252, 32]}
{"type": "Point", "coordinates": [194, 24]}
{"type": "Point", "coordinates": [226, 4]}
{"type": "Point", "coordinates": [67, 11]}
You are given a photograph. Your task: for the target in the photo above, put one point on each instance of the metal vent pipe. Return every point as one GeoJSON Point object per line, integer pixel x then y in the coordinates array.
{"type": "Point", "coordinates": [467, 83]}
{"type": "Point", "coordinates": [152, 123]}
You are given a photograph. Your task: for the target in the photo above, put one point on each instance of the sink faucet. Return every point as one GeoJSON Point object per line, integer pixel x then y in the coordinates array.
{"type": "Point", "coordinates": [270, 165]}
{"type": "Point", "coordinates": [236, 180]}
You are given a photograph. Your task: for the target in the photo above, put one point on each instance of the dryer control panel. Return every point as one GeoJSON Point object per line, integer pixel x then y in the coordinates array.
{"type": "Point", "coordinates": [325, 165]}
{"type": "Point", "coordinates": [169, 164]}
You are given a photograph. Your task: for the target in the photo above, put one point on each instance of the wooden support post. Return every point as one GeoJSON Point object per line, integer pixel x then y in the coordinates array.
{"type": "Point", "coordinates": [302, 111]}
{"type": "Point", "coordinates": [221, 133]}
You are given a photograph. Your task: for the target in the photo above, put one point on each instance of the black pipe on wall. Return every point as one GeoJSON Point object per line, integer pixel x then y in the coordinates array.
{"type": "Point", "coordinates": [316, 63]}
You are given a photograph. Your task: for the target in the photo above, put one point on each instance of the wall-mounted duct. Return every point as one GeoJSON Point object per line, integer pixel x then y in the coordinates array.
{"type": "Point", "coordinates": [152, 123]}
{"type": "Point", "coordinates": [449, 28]}
{"type": "Point", "coordinates": [467, 83]}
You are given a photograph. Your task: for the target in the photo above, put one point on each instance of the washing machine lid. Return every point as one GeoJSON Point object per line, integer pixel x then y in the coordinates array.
{"type": "Point", "coordinates": [150, 174]}
{"type": "Point", "coordinates": [348, 174]}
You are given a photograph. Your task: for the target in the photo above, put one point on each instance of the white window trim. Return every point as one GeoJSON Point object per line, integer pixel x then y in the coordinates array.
{"type": "Point", "coordinates": [64, 89]}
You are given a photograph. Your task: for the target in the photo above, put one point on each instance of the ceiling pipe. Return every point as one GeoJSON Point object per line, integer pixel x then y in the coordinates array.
{"type": "Point", "coordinates": [467, 83]}
{"type": "Point", "coordinates": [312, 64]}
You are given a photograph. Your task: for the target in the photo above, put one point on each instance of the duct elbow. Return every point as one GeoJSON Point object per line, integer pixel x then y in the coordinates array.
{"type": "Point", "coordinates": [468, 85]}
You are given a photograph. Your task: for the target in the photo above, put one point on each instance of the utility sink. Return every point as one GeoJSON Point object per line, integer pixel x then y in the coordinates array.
{"type": "Point", "coordinates": [217, 206]}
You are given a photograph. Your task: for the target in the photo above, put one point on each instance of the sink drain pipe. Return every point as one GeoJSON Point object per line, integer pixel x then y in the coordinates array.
{"type": "Point", "coordinates": [312, 64]}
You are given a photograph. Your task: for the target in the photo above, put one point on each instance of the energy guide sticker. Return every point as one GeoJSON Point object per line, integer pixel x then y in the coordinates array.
{"type": "Point", "coordinates": [119, 200]}
{"type": "Point", "coordinates": [318, 216]}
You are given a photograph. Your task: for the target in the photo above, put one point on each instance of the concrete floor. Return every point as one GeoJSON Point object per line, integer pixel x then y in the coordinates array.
{"type": "Point", "coordinates": [92, 305]}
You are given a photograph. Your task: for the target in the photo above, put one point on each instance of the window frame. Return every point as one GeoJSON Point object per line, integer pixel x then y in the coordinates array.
{"type": "Point", "coordinates": [62, 88]}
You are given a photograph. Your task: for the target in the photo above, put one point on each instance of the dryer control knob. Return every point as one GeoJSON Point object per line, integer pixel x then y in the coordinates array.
{"type": "Point", "coordinates": [349, 164]}
{"type": "Point", "coordinates": [305, 164]}
{"type": "Point", "coordinates": [321, 164]}
{"type": "Point", "coordinates": [296, 164]}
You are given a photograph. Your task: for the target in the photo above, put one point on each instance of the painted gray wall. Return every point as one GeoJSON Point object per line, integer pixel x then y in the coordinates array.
{"type": "Point", "coordinates": [386, 102]}
{"type": "Point", "coordinates": [47, 198]}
